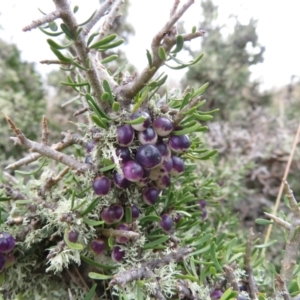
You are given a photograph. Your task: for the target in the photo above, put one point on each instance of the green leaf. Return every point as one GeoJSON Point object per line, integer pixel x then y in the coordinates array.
{"type": "Point", "coordinates": [214, 257]}
{"type": "Point", "coordinates": [93, 105]}
{"type": "Point", "coordinates": [74, 246]}
{"type": "Point", "coordinates": [91, 293]}
{"type": "Point", "coordinates": [99, 121]}
{"type": "Point", "coordinates": [149, 58]}
{"type": "Point", "coordinates": [141, 99]}
{"type": "Point", "coordinates": [151, 218]}
{"type": "Point", "coordinates": [153, 244]}
{"type": "Point", "coordinates": [111, 45]}
{"type": "Point", "coordinates": [79, 84]}
{"type": "Point", "coordinates": [53, 26]}
{"type": "Point", "coordinates": [67, 31]}
{"type": "Point", "coordinates": [50, 33]}
{"type": "Point", "coordinates": [120, 69]}
{"type": "Point", "coordinates": [99, 276]}
{"type": "Point", "coordinates": [107, 168]}
{"type": "Point", "coordinates": [204, 118]}
{"type": "Point", "coordinates": [90, 207]}
{"type": "Point", "coordinates": [91, 222]}
{"type": "Point", "coordinates": [54, 45]}
{"type": "Point", "coordinates": [136, 121]}
{"type": "Point", "coordinates": [182, 66]}
{"type": "Point", "coordinates": [201, 90]}
{"type": "Point", "coordinates": [104, 41]}
{"type": "Point", "coordinates": [265, 245]}
{"type": "Point", "coordinates": [187, 277]}
{"type": "Point", "coordinates": [194, 29]}
{"type": "Point", "coordinates": [109, 59]}
{"type": "Point", "coordinates": [263, 222]}
{"type": "Point", "coordinates": [75, 10]}
{"type": "Point", "coordinates": [96, 264]}
{"type": "Point", "coordinates": [89, 19]}
{"type": "Point", "coordinates": [34, 171]}
{"type": "Point", "coordinates": [91, 37]}
{"type": "Point", "coordinates": [128, 215]}
{"type": "Point", "coordinates": [60, 56]}
{"type": "Point", "coordinates": [79, 66]}
{"type": "Point", "coordinates": [179, 44]}
{"type": "Point", "coordinates": [107, 89]}
{"type": "Point", "coordinates": [162, 53]}
{"type": "Point", "coordinates": [185, 101]}
{"type": "Point", "coordinates": [187, 130]}
{"type": "Point", "coordinates": [209, 155]}
{"type": "Point", "coordinates": [116, 106]}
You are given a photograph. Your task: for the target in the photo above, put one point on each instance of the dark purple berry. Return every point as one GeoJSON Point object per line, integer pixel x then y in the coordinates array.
{"type": "Point", "coordinates": [7, 242]}
{"type": "Point", "coordinates": [179, 143]}
{"type": "Point", "coordinates": [164, 149]}
{"type": "Point", "coordinates": [122, 239]}
{"type": "Point", "coordinates": [144, 125]}
{"type": "Point", "coordinates": [88, 160]}
{"type": "Point", "coordinates": [147, 136]}
{"type": "Point", "coordinates": [108, 215]}
{"type": "Point", "coordinates": [90, 146]}
{"type": "Point", "coordinates": [101, 185]}
{"type": "Point", "coordinates": [124, 154]}
{"type": "Point", "coordinates": [168, 165]}
{"type": "Point", "coordinates": [133, 171]}
{"type": "Point", "coordinates": [148, 156]}
{"type": "Point", "coordinates": [163, 126]}
{"type": "Point", "coordinates": [216, 294]}
{"type": "Point", "coordinates": [163, 182]}
{"type": "Point", "coordinates": [97, 246]}
{"type": "Point", "coordinates": [125, 135]}
{"type": "Point", "coordinates": [117, 254]}
{"type": "Point", "coordinates": [120, 181]}
{"type": "Point", "coordinates": [118, 212]}
{"type": "Point", "coordinates": [135, 212]}
{"type": "Point", "coordinates": [177, 217]}
{"type": "Point", "coordinates": [202, 203]}
{"type": "Point", "coordinates": [73, 236]}
{"type": "Point", "coordinates": [2, 262]}
{"type": "Point", "coordinates": [178, 166]}
{"type": "Point", "coordinates": [166, 222]}
{"type": "Point", "coordinates": [150, 195]}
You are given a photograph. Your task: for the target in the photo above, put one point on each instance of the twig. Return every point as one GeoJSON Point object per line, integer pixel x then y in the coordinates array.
{"type": "Point", "coordinates": [48, 151]}
{"type": "Point", "coordinates": [191, 36]}
{"type": "Point", "coordinates": [45, 132]}
{"type": "Point", "coordinates": [119, 233]}
{"type": "Point", "coordinates": [292, 246]}
{"type": "Point", "coordinates": [69, 140]}
{"type": "Point", "coordinates": [281, 288]}
{"type": "Point", "coordinates": [231, 277]}
{"type": "Point", "coordinates": [247, 265]}
{"type": "Point", "coordinates": [43, 20]}
{"type": "Point", "coordinates": [53, 62]}
{"type": "Point", "coordinates": [184, 292]}
{"type": "Point", "coordinates": [144, 271]}
{"type": "Point", "coordinates": [174, 8]}
{"type": "Point", "coordinates": [81, 111]}
{"type": "Point", "coordinates": [286, 172]}
{"type": "Point", "coordinates": [99, 14]}
{"type": "Point", "coordinates": [279, 221]}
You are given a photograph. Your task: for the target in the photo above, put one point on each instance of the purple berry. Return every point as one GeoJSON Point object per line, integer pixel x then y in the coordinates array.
{"type": "Point", "coordinates": [124, 154]}
{"type": "Point", "coordinates": [166, 222]}
{"type": "Point", "coordinates": [90, 146]}
{"type": "Point", "coordinates": [97, 246]}
{"type": "Point", "coordinates": [216, 294]}
{"type": "Point", "coordinates": [178, 166]}
{"type": "Point", "coordinates": [73, 236]}
{"type": "Point", "coordinates": [118, 212]}
{"type": "Point", "coordinates": [144, 125]}
{"type": "Point", "coordinates": [164, 149]}
{"type": "Point", "coordinates": [147, 136]}
{"type": "Point", "coordinates": [177, 217]}
{"type": "Point", "coordinates": [125, 135]}
{"type": "Point", "coordinates": [163, 182]}
{"type": "Point", "coordinates": [150, 195]}
{"type": "Point", "coordinates": [122, 239]}
{"type": "Point", "coordinates": [148, 156]}
{"type": "Point", "coordinates": [120, 181]}
{"type": "Point", "coordinates": [101, 185]}
{"type": "Point", "coordinates": [168, 165]}
{"type": "Point", "coordinates": [7, 242]}
{"type": "Point", "coordinates": [135, 212]}
{"type": "Point", "coordinates": [163, 126]}
{"type": "Point", "coordinates": [133, 171]}
{"type": "Point", "coordinates": [2, 262]}
{"type": "Point", "coordinates": [108, 215]}
{"type": "Point", "coordinates": [117, 254]}
{"type": "Point", "coordinates": [179, 143]}
{"type": "Point", "coordinates": [202, 203]}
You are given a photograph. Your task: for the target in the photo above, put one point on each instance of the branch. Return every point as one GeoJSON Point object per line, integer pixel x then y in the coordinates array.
{"type": "Point", "coordinates": [45, 132]}
{"type": "Point", "coordinates": [119, 233]}
{"type": "Point", "coordinates": [184, 292]}
{"type": "Point", "coordinates": [99, 14]}
{"type": "Point", "coordinates": [247, 263]}
{"type": "Point", "coordinates": [145, 270]}
{"type": "Point", "coordinates": [191, 36]}
{"type": "Point", "coordinates": [54, 61]}
{"type": "Point", "coordinates": [174, 8]}
{"type": "Point", "coordinates": [69, 140]}
{"type": "Point", "coordinates": [279, 221]}
{"type": "Point", "coordinates": [229, 271]}
{"type": "Point", "coordinates": [47, 151]}
{"type": "Point", "coordinates": [281, 288]}
{"type": "Point", "coordinates": [43, 20]}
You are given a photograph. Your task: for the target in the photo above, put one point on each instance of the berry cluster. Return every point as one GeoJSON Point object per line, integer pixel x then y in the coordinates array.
{"type": "Point", "coordinates": [7, 244]}
{"type": "Point", "coordinates": [148, 154]}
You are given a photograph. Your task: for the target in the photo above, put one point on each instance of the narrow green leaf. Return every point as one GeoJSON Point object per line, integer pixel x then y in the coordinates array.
{"type": "Point", "coordinates": [89, 19]}
{"type": "Point", "coordinates": [111, 45]}
{"type": "Point", "coordinates": [79, 66]}
{"type": "Point", "coordinates": [208, 112]}
{"type": "Point", "coordinates": [53, 26]}
{"type": "Point", "coordinates": [209, 155]}
{"type": "Point", "coordinates": [148, 219]}
{"type": "Point", "coordinates": [263, 222]}
{"type": "Point", "coordinates": [226, 294]}
{"type": "Point", "coordinates": [185, 101]}
{"type": "Point", "coordinates": [107, 89]}
{"type": "Point", "coordinates": [162, 53]}
{"type": "Point", "coordinates": [201, 90]}
{"type": "Point", "coordinates": [50, 33]}
{"type": "Point", "coordinates": [141, 99]}
{"type": "Point", "coordinates": [187, 277]}
{"type": "Point", "coordinates": [203, 118]}
{"type": "Point", "coordinates": [78, 33]}
{"type": "Point", "coordinates": [128, 215]}
{"type": "Point", "coordinates": [187, 130]}
{"type": "Point", "coordinates": [99, 121]}
{"type": "Point", "coordinates": [90, 294]}
{"type": "Point", "coordinates": [99, 276]}
{"type": "Point", "coordinates": [120, 69]}
{"type": "Point", "coordinates": [182, 66]}
{"type": "Point", "coordinates": [54, 45]}
{"type": "Point", "coordinates": [179, 44]}
{"type": "Point", "coordinates": [109, 59]}
{"type": "Point", "coordinates": [67, 31]}
{"type": "Point", "coordinates": [91, 37]}
{"type": "Point", "coordinates": [75, 84]}
{"type": "Point", "coordinates": [202, 250]}
{"type": "Point", "coordinates": [96, 264]}
{"type": "Point", "coordinates": [90, 207]}
{"type": "Point", "coordinates": [214, 257]}
{"type": "Point", "coordinates": [60, 56]}
{"type": "Point", "coordinates": [156, 242]}
{"type": "Point", "coordinates": [34, 171]}
{"type": "Point", "coordinates": [149, 58]}
{"type": "Point", "coordinates": [74, 246]}
{"type": "Point", "coordinates": [92, 222]}
{"type": "Point", "coordinates": [95, 107]}
{"type": "Point", "coordinates": [265, 245]}
{"type": "Point", "coordinates": [136, 121]}
{"type": "Point", "coordinates": [2, 199]}
{"type": "Point", "coordinates": [194, 108]}
{"type": "Point", "coordinates": [107, 168]}
{"type": "Point", "coordinates": [103, 41]}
